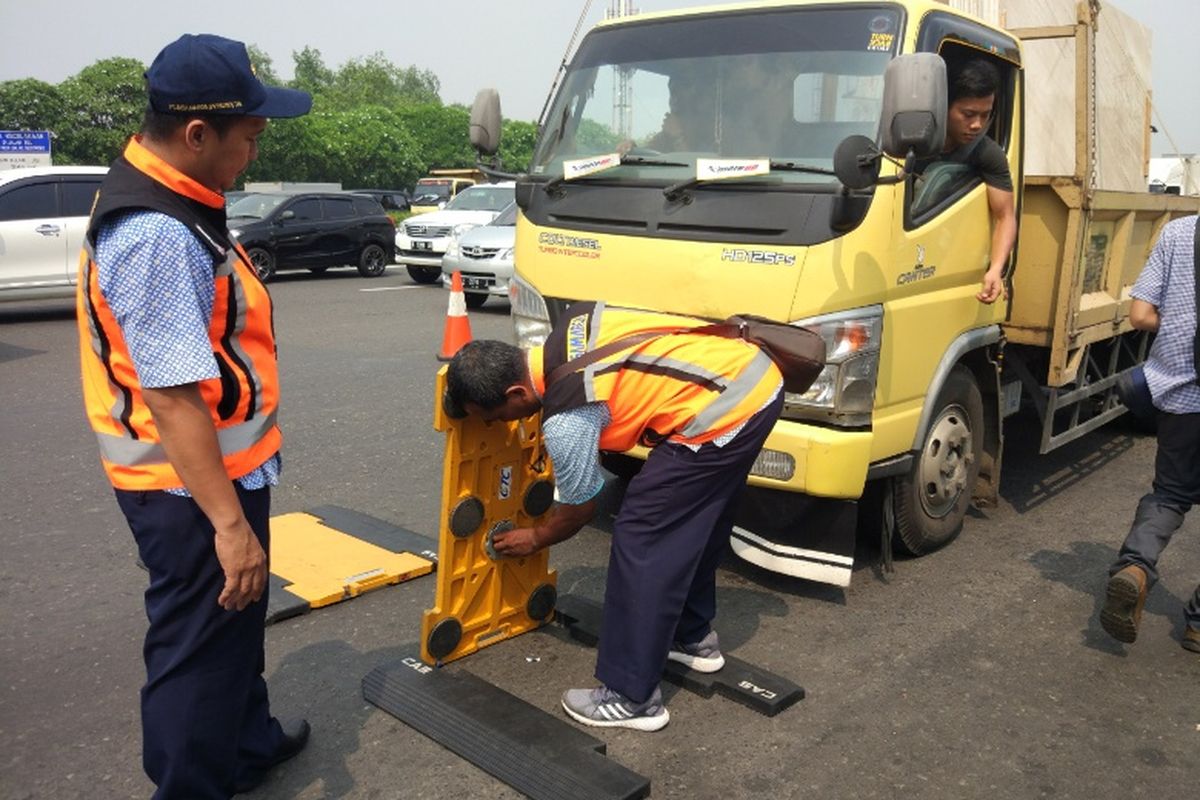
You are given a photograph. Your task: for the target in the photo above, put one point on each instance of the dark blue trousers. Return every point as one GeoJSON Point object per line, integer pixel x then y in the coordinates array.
{"type": "Point", "coordinates": [205, 717]}
{"type": "Point", "coordinates": [667, 543]}
{"type": "Point", "coordinates": [1176, 489]}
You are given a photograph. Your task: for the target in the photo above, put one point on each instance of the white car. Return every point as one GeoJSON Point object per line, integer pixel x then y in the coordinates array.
{"type": "Point", "coordinates": [483, 256]}
{"type": "Point", "coordinates": [421, 240]}
{"type": "Point", "coordinates": [43, 218]}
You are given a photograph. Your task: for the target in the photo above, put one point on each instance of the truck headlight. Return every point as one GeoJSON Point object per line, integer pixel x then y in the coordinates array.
{"type": "Point", "coordinates": [844, 392]}
{"type": "Point", "coordinates": [452, 247]}
{"type": "Point", "coordinates": [531, 318]}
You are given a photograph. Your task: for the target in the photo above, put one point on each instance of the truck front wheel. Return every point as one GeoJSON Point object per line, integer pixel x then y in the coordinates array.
{"type": "Point", "coordinates": [931, 501]}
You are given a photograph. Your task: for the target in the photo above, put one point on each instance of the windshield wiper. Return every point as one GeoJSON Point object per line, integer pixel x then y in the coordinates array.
{"type": "Point", "coordinates": [675, 190]}
{"type": "Point", "coordinates": [641, 161]}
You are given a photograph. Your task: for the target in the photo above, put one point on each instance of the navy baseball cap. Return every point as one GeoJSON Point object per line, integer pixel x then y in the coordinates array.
{"type": "Point", "coordinates": [207, 74]}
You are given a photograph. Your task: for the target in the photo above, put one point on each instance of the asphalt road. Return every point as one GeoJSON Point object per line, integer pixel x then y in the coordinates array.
{"type": "Point", "coordinates": [977, 672]}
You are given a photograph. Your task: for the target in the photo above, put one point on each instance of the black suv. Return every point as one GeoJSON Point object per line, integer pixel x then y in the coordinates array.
{"type": "Point", "coordinates": [390, 199]}
{"type": "Point", "coordinates": [313, 231]}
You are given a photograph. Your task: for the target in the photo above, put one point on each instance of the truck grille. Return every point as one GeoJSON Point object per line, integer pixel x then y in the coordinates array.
{"type": "Point", "coordinates": [427, 231]}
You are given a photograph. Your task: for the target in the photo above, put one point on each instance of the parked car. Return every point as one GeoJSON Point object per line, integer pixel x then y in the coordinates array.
{"type": "Point", "coordinates": [390, 199]}
{"type": "Point", "coordinates": [421, 240]}
{"type": "Point", "coordinates": [232, 196]}
{"type": "Point", "coordinates": [483, 256]}
{"type": "Point", "coordinates": [313, 231]}
{"type": "Point", "coordinates": [43, 218]}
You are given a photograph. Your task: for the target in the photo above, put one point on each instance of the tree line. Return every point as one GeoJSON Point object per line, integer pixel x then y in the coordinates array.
{"type": "Point", "coordinates": [373, 124]}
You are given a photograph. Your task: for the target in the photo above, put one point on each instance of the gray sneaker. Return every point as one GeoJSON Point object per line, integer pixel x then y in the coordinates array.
{"type": "Point", "coordinates": [703, 656]}
{"type": "Point", "coordinates": [604, 708]}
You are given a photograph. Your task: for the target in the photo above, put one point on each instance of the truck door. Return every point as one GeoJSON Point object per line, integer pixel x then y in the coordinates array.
{"type": "Point", "coordinates": [944, 247]}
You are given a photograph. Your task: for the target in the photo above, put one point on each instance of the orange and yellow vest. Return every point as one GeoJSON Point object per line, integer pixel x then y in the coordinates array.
{"type": "Point", "coordinates": [681, 387]}
{"type": "Point", "coordinates": [243, 401]}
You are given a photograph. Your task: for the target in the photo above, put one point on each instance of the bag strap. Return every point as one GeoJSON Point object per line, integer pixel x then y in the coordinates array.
{"type": "Point", "coordinates": [600, 352]}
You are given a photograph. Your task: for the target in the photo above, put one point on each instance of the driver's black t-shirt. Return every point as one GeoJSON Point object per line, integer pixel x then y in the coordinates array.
{"type": "Point", "coordinates": [985, 157]}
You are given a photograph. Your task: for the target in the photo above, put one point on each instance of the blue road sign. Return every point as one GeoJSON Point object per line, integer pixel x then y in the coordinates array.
{"type": "Point", "coordinates": [28, 142]}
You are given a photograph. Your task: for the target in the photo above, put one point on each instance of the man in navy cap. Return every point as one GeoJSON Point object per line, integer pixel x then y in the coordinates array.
{"type": "Point", "coordinates": [181, 388]}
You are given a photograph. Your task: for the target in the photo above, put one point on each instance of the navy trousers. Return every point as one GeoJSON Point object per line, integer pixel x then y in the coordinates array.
{"type": "Point", "coordinates": [206, 723]}
{"type": "Point", "coordinates": [1175, 490]}
{"type": "Point", "coordinates": [668, 540]}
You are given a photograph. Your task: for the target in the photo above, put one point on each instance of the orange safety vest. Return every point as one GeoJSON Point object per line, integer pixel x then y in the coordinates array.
{"type": "Point", "coordinates": [683, 387]}
{"type": "Point", "coordinates": [243, 401]}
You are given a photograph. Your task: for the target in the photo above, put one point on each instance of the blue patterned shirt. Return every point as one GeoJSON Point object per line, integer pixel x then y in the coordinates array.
{"type": "Point", "coordinates": [1168, 283]}
{"type": "Point", "coordinates": [158, 281]}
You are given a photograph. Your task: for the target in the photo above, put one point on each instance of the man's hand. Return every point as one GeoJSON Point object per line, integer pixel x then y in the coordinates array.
{"type": "Point", "coordinates": [245, 565]}
{"type": "Point", "coordinates": [517, 543]}
{"type": "Point", "coordinates": [993, 287]}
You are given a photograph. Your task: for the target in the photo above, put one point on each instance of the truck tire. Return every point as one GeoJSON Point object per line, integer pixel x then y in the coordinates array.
{"type": "Point", "coordinates": [372, 262]}
{"type": "Point", "coordinates": [931, 501]}
{"type": "Point", "coordinates": [263, 262]}
{"type": "Point", "coordinates": [424, 274]}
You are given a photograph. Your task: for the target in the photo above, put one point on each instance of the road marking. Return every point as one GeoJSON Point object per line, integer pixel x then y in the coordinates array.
{"type": "Point", "coordinates": [389, 288]}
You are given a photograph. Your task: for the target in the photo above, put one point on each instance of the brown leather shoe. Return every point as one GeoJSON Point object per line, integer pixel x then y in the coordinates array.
{"type": "Point", "coordinates": [1191, 639]}
{"type": "Point", "coordinates": [1125, 597]}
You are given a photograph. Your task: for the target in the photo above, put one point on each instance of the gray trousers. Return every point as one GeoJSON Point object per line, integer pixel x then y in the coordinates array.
{"type": "Point", "coordinates": [1175, 490]}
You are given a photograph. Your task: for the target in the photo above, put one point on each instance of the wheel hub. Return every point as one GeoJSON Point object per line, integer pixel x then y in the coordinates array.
{"type": "Point", "coordinates": [946, 461]}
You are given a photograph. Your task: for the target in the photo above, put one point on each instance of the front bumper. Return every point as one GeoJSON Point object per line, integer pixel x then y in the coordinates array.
{"type": "Point", "coordinates": [829, 462]}
{"type": "Point", "coordinates": [480, 276]}
{"type": "Point", "coordinates": [420, 252]}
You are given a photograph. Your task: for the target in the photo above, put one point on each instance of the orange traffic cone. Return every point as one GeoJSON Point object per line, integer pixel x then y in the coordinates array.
{"type": "Point", "coordinates": [458, 327]}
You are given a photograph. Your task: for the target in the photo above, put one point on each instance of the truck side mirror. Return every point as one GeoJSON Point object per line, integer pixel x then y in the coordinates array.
{"type": "Point", "coordinates": [914, 105]}
{"type": "Point", "coordinates": [485, 122]}
{"type": "Point", "coordinates": [856, 162]}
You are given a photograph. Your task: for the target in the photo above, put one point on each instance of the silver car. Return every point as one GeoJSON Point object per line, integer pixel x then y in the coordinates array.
{"type": "Point", "coordinates": [484, 256]}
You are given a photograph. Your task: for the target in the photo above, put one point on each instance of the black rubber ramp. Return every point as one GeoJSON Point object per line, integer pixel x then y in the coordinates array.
{"type": "Point", "coordinates": [536, 753]}
{"type": "Point", "coordinates": [282, 604]}
{"type": "Point", "coordinates": [753, 687]}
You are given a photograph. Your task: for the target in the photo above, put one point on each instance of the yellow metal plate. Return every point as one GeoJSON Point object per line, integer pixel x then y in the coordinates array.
{"type": "Point", "coordinates": [325, 566]}
{"type": "Point", "coordinates": [479, 600]}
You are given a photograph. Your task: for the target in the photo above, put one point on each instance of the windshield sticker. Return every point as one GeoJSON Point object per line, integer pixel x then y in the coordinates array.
{"type": "Point", "coordinates": [881, 42]}
{"type": "Point", "coordinates": [718, 169]}
{"type": "Point", "coordinates": [587, 166]}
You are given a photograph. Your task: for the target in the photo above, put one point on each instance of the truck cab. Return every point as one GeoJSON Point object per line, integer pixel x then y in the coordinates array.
{"type": "Point", "coordinates": [760, 158]}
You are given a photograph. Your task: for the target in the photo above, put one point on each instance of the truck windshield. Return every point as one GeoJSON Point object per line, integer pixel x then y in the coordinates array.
{"type": "Point", "coordinates": [787, 85]}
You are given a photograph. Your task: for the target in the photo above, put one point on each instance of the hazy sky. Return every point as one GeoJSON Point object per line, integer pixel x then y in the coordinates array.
{"type": "Point", "coordinates": [515, 46]}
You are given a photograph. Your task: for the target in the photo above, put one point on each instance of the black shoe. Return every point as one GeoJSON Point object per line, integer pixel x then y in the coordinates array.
{"type": "Point", "coordinates": [295, 737]}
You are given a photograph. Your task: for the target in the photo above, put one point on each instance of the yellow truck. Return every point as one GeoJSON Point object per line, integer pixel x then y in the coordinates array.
{"type": "Point", "coordinates": [814, 108]}
{"type": "Point", "coordinates": [441, 185]}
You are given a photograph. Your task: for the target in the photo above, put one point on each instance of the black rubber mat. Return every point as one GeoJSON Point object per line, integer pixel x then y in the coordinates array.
{"type": "Point", "coordinates": [753, 687]}
{"type": "Point", "coordinates": [377, 532]}
{"type": "Point", "coordinates": [536, 753]}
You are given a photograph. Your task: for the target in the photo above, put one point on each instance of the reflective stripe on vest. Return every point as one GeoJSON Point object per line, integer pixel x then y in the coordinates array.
{"type": "Point", "coordinates": [126, 452]}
